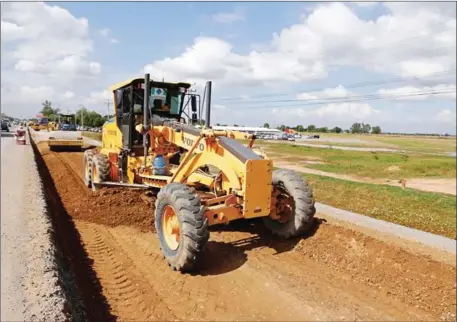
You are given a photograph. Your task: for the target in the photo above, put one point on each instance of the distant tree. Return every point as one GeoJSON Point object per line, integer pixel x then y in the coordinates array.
{"type": "Point", "coordinates": [282, 127]}
{"type": "Point", "coordinates": [360, 128]}
{"type": "Point", "coordinates": [90, 118]}
{"type": "Point", "coordinates": [336, 129]}
{"type": "Point", "coordinates": [48, 111]}
{"type": "Point", "coordinates": [356, 128]}
{"type": "Point", "coordinates": [347, 131]}
{"type": "Point", "coordinates": [322, 129]}
{"type": "Point", "coordinates": [266, 125]}
{"type": "Point", "coordinates": [311, 128]}
{"type": "Point", "coordinates": [235, 125]}
{"type": "Point", "coordinates": [300, 128]}
{"type": "Point", "coordinates": [376, 130]}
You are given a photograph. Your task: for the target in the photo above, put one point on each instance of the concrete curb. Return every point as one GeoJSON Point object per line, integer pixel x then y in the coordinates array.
{"type": "Point", "coordinates": [425, 238]}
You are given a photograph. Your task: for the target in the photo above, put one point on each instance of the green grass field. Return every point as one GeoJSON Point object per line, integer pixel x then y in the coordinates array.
{"type": "Point", "coordinates": [369, 164]}
{"type": "Point", "coordinates": [431, 212]}
{"type": "Point", "coordinates": [408, 143]}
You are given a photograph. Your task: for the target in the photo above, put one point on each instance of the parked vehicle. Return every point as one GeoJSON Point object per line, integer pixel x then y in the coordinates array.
{"type": "Point", "coordinates": [5, 126]}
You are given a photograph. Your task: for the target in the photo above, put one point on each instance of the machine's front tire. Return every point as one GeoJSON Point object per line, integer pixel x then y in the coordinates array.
{"type": "Point", "coordinates": [87, 167]}
{"type": "Point", "coordinates": [298, 212]}
{"type": "Point", "coordinates": [181, 226]}
{"type": "Point", "coordinates": [100, 170]}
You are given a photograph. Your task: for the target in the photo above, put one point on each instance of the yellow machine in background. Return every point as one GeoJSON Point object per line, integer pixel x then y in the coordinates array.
{"type": "Point", "coordinates": [53, 126]}
{"type": "Point", "coordinates": [203, 177]}
{"type": "Point", "coordinates": [67, 139]}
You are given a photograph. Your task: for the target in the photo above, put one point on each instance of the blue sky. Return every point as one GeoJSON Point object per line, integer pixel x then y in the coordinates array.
{"type": "Point", "coordinates": [314, 51]}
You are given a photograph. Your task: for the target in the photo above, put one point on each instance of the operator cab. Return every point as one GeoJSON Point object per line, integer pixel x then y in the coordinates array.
{"type": "Point", "coordinates": [165, 100]}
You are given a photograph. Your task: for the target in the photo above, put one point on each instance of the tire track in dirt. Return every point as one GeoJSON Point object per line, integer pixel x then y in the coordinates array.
{"type": "Point", "coordinates": [127, 295]}
{"type": "Point", "coordinates": [246, 274]}
{"type": "Point", "coordinates": [212, 295]}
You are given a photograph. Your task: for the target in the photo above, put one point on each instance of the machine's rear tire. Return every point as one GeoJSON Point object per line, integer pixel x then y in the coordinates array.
{"type": "Point", "coordinates": [87, 167]}
{"type": "Point", "coordinates": [179, 209]}
{"type": "Point", "coordinates": [100, 170]}
{"type": "Point", "coordinates": [303, 210]}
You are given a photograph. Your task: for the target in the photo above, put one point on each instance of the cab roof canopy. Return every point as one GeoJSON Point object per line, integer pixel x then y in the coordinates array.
{"type": "Point", "coordinates": [136, 81]}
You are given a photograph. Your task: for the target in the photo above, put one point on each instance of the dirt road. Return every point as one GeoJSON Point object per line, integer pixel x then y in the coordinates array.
{"type": "Point", "coordinates": [441, 185]}
{"type": "Point", "coordinates": [333, 274]}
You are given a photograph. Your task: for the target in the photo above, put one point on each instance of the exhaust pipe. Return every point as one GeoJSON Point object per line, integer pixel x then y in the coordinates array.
{"type": "Point", "coordinates": [208, 105]}
{"type": "Point", "coordinates": [145, 115]}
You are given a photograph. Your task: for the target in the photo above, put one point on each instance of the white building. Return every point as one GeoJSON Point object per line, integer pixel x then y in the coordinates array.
{"type": "Point", "coordinates": [246, 129]}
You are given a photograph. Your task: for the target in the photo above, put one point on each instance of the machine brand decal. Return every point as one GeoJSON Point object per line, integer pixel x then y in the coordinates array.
{"type": "Point", "coordinates": [190, 143]}
{"type": "Point", "coordinates": [111, 132]}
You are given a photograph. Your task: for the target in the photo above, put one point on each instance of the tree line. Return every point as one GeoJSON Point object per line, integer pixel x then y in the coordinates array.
{"type": "Point", "coordinates": [355, 128]}
{"type": "Point", "coordinates": [83, 115]}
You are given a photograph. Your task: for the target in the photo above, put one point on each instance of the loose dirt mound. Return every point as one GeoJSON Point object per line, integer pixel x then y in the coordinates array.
{"type": "Point", "coordinates": [414, 280]}
{"type": "Point", "coordinates": [113, 207]}
{"type": "Point", "coordinates": [335, 274]}
{"type": "Point", "coordinates": [109, 206]}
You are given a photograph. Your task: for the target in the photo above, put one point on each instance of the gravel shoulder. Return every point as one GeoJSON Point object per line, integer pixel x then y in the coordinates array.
{"type": "Point", "coordinates": [30, 285]}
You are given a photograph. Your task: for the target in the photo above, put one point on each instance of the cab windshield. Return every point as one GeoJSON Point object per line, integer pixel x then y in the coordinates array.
{"type": "Point", "coordinates": [162, 99]}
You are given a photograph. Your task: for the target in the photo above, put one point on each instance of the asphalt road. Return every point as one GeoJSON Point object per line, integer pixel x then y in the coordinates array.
{"type": "Point", "coordinates": [29, 279]}
{"type": "Point", "coordinates": [13, 263]}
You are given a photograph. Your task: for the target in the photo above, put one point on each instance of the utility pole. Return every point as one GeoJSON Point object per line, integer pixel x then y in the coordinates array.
{"type": "Point", "coordinates": [108, 102]}
{"type": "Point", "coordinates": [82, 115]}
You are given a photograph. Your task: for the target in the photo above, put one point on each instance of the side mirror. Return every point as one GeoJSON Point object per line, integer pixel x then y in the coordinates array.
{"type": "Point", "coordinates": [194, 117]}
{"type": "Point", "coordinates": [193, 103]}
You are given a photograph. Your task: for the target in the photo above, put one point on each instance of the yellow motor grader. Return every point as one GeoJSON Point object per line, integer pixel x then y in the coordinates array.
{"type": "Point", "coordinates": [202, 177]}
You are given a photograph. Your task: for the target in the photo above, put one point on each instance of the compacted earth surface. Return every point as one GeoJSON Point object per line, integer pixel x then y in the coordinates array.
{"type": "Point", "coordinates": [334, 273]}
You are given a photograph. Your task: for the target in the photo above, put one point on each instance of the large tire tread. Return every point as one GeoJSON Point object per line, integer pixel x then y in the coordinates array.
{"type": "Point", "coordinates": [102, 163]}
{"type": "Point", "coordinates": [305, 210]}
{"type": "Point", "coordinates": [193, 224]}
{"type": "Point", "coordinates": [87, 159]}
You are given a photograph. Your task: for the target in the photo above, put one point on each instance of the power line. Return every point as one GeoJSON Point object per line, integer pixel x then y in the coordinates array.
{"type": "Point", "coordinates": [357, 99]}
{"type": "Point", "coordinates": [331, 98]}
{"type": "Point", "coordinates": [354, 85]}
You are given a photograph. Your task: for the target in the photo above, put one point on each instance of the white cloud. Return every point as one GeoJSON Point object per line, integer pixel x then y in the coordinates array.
{"type": "Point", "coordinates": [45, 53]}
{"type": "Point", "coordinates": [338, 92]}
{"type": "Point", "coordinates": [332, 34]}
{"type": "Point", "coordinates": [227, 17]}
{"type": "Point", "coordinates": [401, 92]}
{"type": "Point", "coordinates": [39, 93]}
{"type": "Point", "coordinates": [358, 111]}
{"type": "Point", "coordinates": [213, 59]}
{"type": "Point", "coordinates": [50, 39]}
{"type": "Point", "coordinates": [446, 116]}
{"type": "Point", "coordinates": [104, 32]}
{"type": "Point", "coordinates": [335, 111]}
